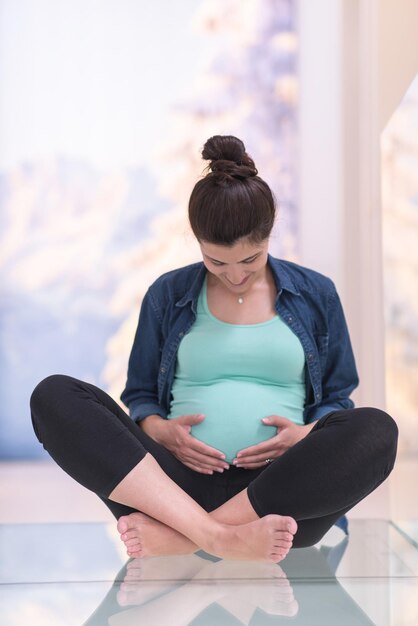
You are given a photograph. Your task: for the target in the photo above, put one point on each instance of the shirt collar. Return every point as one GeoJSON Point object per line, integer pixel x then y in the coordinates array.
{"type": "Point", "coordinates": [282, 276]}
{"type": "Point", "coordinates": [193, 292]}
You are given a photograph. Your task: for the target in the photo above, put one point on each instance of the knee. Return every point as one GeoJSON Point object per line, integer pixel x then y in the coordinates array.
{"type": "Point", "coordinates": [382, 430]}
{"type": "Point", "coordinates": [384, 425]}
{"type": "Point", "coordinates": [45, 401]}
{"type": "Point", "coordinates": [48, 389]}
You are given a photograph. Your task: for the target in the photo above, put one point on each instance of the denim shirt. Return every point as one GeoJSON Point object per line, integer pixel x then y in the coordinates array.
{"type": "Point", "coordinates": [307, 302]}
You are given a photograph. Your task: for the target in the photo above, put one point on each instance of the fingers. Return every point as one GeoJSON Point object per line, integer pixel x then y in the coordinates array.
{"type": "Point", "coordinates": [201, 463]}
{"type": "Point", "coordinates": [269, 449]}
{"type": "Point", "coordinates": [205, 462]}
{"type": "Point", "coordinates": [201, 448]}
{"type": "Point", "coordinates": [260, 450]}
{"type": "Point", "coordinates": [193, 443]}
{"type": "Point", "coordinates": [276, 420]}
{"type": "Point", "coordinates": [196, 468]}
{"type": "Point", "coordinates": [192, 452]}
{"type": "Point", "coordinates": [201, 456]}
{"type": "Point", "coordinates": [251, 465]}
{"type": "Point", "coordinates": [189, 420]}
{"type": "Point", "coordinates": [256, 461]}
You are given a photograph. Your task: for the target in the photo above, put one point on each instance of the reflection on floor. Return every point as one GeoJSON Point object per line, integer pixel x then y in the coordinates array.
{"type": "Point", "coordinates": [74, 574]}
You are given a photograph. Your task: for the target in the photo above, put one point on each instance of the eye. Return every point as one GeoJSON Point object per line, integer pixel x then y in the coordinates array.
{"type": "Point", "coordinates": [248, 261]}
{"type": "Point", "coordinates": [218, 263]}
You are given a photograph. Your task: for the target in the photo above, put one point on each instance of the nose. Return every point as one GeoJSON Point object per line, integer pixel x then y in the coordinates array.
{"type": "Point", "coordinates": [235, 275]}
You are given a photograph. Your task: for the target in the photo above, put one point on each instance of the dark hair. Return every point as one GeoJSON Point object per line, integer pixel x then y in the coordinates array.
{"type": "Point", "coordinates": [231, 201]}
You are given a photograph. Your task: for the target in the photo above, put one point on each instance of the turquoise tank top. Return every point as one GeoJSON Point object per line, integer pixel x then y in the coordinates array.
{"type": "Point", "coordinates": [236, 374]}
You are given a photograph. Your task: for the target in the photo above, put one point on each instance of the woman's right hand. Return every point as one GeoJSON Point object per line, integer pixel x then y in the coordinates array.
{"type": "Point", "coordinates": [174, 434]}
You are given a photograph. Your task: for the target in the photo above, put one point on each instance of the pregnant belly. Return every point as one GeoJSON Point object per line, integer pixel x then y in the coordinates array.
{"type": "Point", "coordinates": [233, 411]}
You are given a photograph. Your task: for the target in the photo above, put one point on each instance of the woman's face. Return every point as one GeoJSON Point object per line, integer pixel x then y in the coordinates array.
{"type": "Point", "coordinates": [238, 266]}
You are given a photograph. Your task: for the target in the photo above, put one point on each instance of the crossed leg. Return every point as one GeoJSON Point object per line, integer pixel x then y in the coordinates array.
{"type": "Point", "coordinates": [149, 488]}
{"type": "Point", "coordinates": [338, 463]}
{"type": "Point", "coordinates": [146, 536]}
{"type": "Point", "coordinates": [345, 457]}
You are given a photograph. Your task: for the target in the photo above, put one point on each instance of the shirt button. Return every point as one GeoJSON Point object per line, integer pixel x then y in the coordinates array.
{"type": "Point", "coordinates": [290, 319]}
{"type": "Point", "coordinates": [181, 334]}
{"type": "Point", "coordinates": [162, 370]}
{"type": "Point", "coordinates": [310, 356]}
{"type": "Point", "coordinates": [318, 395]}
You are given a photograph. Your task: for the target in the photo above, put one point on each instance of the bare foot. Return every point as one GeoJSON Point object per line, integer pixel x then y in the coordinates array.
{"type": "Point", "coordinates": [145, 536]}
{"type": "Point", "coordinates": [267, 539]}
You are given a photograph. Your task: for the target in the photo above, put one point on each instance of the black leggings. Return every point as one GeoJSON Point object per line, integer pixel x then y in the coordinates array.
{"type": "Point", "coordinates": [345, 457]}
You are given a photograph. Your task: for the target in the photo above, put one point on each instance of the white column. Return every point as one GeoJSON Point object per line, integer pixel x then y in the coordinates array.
{"type": "Point", "coordinates": [361, 196]}
{"type": "Point", "coordinates": [320, 137]}
{"type": "Point", "coordinates": [339, 170]}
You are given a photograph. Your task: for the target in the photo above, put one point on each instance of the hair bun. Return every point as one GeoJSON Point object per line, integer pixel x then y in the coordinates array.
{"type": "Point", "coordinates": [227, 155]}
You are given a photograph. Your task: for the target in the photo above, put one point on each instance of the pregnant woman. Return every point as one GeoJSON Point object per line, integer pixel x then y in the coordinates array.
{"type": "Point", "coordinates": [242, 439]}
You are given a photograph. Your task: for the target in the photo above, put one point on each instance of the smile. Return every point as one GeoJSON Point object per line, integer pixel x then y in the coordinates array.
{"type": "Point", "coordinates": [238, 284]}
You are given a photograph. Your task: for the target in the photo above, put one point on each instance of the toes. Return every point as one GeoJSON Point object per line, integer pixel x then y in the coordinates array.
{"type": "Point", "coordinates": [280, 523]}
{"type": "Point", "coordinates": [279, 552]}
{"type": "Point", "coordinates": [283, 544]}
{"type": "Point", "coordinates": [135, 553]}
{"type": "Point", "coordinates": [129, 523]}
{"type": "Point", "coordinates": [284, 536]}
{"type": "Point", "coordinates": [122, 524]}
{"type": "Point", "coordinates": [130, 543]}
{"type": "Point", "coordinates": [130, 534]}
{"type": "Point", "coordinates": [291, 525]}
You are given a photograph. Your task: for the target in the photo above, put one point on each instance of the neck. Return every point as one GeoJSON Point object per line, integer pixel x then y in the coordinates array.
{"type": "Point", "coordinates": [265, 279]}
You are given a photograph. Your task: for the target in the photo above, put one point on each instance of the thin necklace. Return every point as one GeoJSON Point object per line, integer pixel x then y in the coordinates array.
{"type": "Point", "coordinates": [240, 300]}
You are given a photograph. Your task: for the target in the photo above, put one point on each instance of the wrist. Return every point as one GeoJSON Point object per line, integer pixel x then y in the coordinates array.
{"type": "Point", "coordinates": [150, 425]}
{"type": "Point", "coordinates": [308, 427]}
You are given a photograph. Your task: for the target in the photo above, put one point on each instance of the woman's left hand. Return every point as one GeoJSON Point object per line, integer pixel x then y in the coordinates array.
{"type": "Point", "coordinates": [288, 434]}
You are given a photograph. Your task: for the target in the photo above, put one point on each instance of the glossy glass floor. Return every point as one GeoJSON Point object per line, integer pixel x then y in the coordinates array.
{"type": "Point", "coordinates": [77, 574]}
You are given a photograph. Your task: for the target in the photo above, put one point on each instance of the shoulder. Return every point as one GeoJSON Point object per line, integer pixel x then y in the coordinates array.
{"type": "Point", "coordinates": [303, 279]}
{"type": "Point", "coordinates": [176, 283]}
{"type": "Point", "coordinates": [177, 277]}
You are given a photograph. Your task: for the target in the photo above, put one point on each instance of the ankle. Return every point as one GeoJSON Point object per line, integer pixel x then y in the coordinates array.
{"type": "Point", "coordinates": [220, 538]}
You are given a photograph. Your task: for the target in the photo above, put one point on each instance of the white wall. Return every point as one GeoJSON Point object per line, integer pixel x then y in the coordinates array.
{"type": "Point", "coordinates": [357, 58]}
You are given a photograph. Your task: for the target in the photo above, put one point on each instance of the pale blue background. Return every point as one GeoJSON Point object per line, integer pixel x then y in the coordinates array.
{"type": "Point", "coordinates": [104, 106]}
